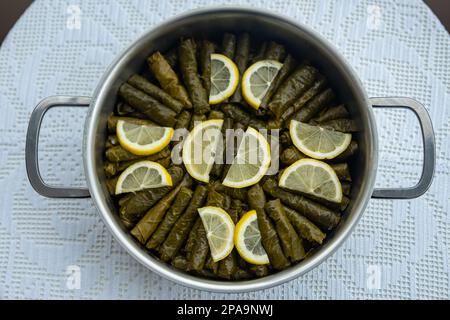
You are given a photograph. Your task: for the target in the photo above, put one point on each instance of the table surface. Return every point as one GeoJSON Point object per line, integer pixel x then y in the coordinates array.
{"type": "Point", "coordinates": [400, 249]}
{"type": "Point", "coordinates": [11, 11]}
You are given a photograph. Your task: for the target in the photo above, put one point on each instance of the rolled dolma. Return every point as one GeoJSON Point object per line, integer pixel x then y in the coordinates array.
{"type": "Point", "coordinates": [216, 199]}
{"type": "Point", "coordinates": [179, 262]}
{"type": "Point", "coordinates": [112, 122]}
{"type": "Point", "coordinates": [237, 209]}
{"type": "Point", "coordinates": [342, 125]}
{"type": "Point", "coordinates": [341, 206]}
{"type": "Point", "coordinates": [261, 112]}
{"type": "Point", "coordinates": [305, 228]}
{"type": "Point", "coordinates": [110, 169]}
{"type": "Point", "coordinates": [342, 171]}
{"type": "Point", "coordinates": [207, 48]}
{"type": "Point", "coordinates": [314, 106]}
{"type": "Point", "coordinates": [257, 123]}
{"type": "Point", "coordinates": [239, 126]}
{"type": "Point", "coordinates": [259, 270]}
{"type": "Point", "coordinates": [183, 120]}
{"type": "Point", "coordinates": [319, 214]}
{"type": "Point", "coordinates": [189, 69]}
{"type": "Point", "coordinates": [180, 203]}
{"type": "Point", "coordinates": [351, 151]}
{"type": "Point", "coordinates": [156, 92]}
{"type": "Point", "coordinates": [143, 200]}
{"type": "Point", "coordinates": [291, 155]}
{"type": "Point", "coordinates": [337, 112]}
{"type": "Point", "coordinates": [192, 238]}
{"type": "Point", "coordinates": [241, 60]}
{"type": "Point", "coordinates": [123, 199]}
{"type": "Point", "coordinates": [236, 113]}
{"type": "Point", "coordinates": [113, 168]}
{"type": "Point", "coordinates": [165, 162]}
{"type": "Point", "coordinates": [229, 45]}
{"type": "Point", "coordinates": [232, 140]}
{"type": "Point", "coordinates": [227, 266]}
{"type": "Point", "coordinates": [292, 245]}
{"type": "Point", "coordinates": [288, 66]}
{"type": "Point", "coordinates": [285, 139]}
{"type": "Point", "coordinates": [181, 229]}
{"type": "Point", "coordinates": [235, 193]}
{"type": "Point", "coordinates": [316, 88]}
{"type": "Point", "coordinates": [206, 274]}
{"type": "Point", "coordinates": [346, 187]}
{"type": "Point", "coordinates": [344, 203]}
{"type": "Point", "coordinates": [143, 230]}
{"type": "Point", "coordinates": [259, 55]}
{"type": "Point", "coordinates": [111, 141]}
{"type": "Point", "coordinates": [111, 185]}
{"type": "Point", "coordinates": [269, 237]}
{"type": "Point", "coordinates": [294, 86]}
{"type": "Point", "coordinates": [200, 248]}
{"type": "Point", "coordinates": [218, 166]}
{"type": "Point", "coordinates": [195, 119]}
{"type": "Point", "coordinates": [119, 154]}
{"type": "Point", "coordinates": [126, 224]}
{"type": "Point", "coordinates": [241, 274]}
{"type": "Point", "coordinates": [124, 109]}
{"type": "Point", "coordinates": [168, 79]}
{"type": "Point", "coordinates": [275, 51]}
{"type": "Point", "coordinates": [171, 57]}
{"type": "Point", "coordinates": [210, 264]}
{"type": "Point", "coordinates": [273, 123]}
{"type": "Point", "coordinates": [216, 114]}
{"type": "Point", "coordinates": [149, 106]}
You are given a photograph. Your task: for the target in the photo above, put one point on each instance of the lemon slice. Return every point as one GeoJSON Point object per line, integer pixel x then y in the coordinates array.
{"type": "Point", "coordinates": [257, 79]}
{"type": "Point", "coordinates": [219, 231]}
{"type": "Point", "coordinates": [224, 78]}
{"type": "Point", "coordinates": [200, 147]}
{"type": "Point", "coordinates": [142, 139]}
{"type": "Point", "coordinates": [313, 177]}
{"type": "Point", "coordinates": [251, 162]}
{"type": "Point", "coordinates": [247, 239]}
{"type": "Point", "coordinates": [143, 175]}
{"type": "Point", "coordinates": [318, 142]}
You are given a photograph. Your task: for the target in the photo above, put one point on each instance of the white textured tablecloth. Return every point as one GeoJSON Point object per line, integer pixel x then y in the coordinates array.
{"type": "Point", "coordinates": [400, 249]}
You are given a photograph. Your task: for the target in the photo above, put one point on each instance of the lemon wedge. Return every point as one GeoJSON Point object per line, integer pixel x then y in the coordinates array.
{"type": "Point", "coordinates": [313, 177]}
{"type": "Point", "coordinates": [143, 175]}
{"type": "Point", "coordinates": [318, 142]}
{"type": "Point", "coordinates": [219, 231]}
{"type": "Point", "coordinates": [251, 162]}
{"type": "Point", "coordinates": [257, 79]}
{"type": "Point", "coordinates": [142, 139]}
{"type": "Point", "coordinates": [199, 148]}
{"type": "Point", "coordinates": [224, 78]}
{"type": "Point", "coordinates": [247, 239]}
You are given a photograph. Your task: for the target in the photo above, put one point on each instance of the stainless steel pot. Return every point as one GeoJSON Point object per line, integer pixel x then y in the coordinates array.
{"type": "Point", "coordinates": [298, 38]}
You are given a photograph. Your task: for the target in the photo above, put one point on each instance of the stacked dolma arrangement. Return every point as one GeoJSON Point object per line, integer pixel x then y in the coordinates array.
{"type": "Point", "coordinates": [173, 92]}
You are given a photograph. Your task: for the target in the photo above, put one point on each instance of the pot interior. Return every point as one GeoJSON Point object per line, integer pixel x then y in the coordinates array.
{"type": "Point", "coordinates": [212, 23]}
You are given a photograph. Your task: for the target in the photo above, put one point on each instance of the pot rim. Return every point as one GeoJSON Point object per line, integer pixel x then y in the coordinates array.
{"type": "Point", "coordinates": [180, 277]}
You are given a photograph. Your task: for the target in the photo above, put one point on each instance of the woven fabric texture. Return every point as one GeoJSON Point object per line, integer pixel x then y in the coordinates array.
{"type": "Point", "coordinates": [400, 249]}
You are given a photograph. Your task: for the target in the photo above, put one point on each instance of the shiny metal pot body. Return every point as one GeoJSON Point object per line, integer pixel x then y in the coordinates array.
{"type": "Point", "coordinates": [211, 22]}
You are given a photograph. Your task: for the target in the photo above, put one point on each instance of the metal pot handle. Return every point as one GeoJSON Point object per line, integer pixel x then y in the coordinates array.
{"type": "Point", "coordinates": [429, 148]}
{"type": "Point", "coordinates": [31, 148]}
